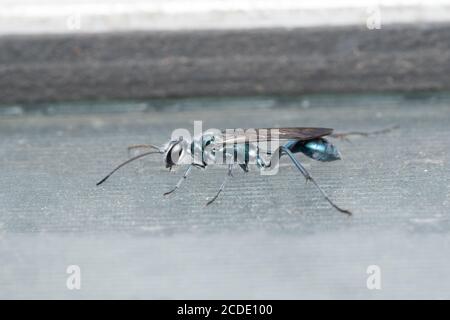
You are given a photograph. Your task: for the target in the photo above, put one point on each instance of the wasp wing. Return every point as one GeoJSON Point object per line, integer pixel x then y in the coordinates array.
{"type": "Point", "coordinates": [232, 136]}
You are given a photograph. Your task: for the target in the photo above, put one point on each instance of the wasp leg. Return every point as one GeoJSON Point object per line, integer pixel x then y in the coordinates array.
{"type": "Point", "coordinates": [344, 136]}
{"type": "Point", "coordinates": [244, 167]}
{"type": "Point", "coordinates": [309, 178]}
{"type": "Point", "coordinates": [222, 186]}
{"type": "Point", "coordinates": [186, 173]}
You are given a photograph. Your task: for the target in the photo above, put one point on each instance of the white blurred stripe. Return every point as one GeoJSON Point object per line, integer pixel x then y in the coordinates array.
{"type": "Point", "coordinates": [22, 16]}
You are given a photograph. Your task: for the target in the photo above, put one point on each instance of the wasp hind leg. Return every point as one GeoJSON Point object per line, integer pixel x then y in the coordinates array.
{"type": "Point", "coordinates": [244, 166]}
{"type": "Point", "coordinates": [222, 186]}
{"type": "Point", "coordinates": [308, 177]}
{"type": "Point", "coordinates": [344, 135]}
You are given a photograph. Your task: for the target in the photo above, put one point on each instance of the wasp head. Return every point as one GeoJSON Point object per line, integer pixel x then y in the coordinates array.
{"type": "Point", "coordinates": [176, 151]}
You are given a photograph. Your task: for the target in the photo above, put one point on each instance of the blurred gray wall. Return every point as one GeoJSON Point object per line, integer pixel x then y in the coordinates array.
{"type": "Point", "coordinates": [54, 51]}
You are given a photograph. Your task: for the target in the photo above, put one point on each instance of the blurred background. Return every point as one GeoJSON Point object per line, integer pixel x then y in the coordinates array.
{"type": "Point", "coordinates": [80, 81]}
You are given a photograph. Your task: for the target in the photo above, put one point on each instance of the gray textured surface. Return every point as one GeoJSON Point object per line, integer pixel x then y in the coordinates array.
{"type": "Point", "coordinates": [214, 63]}
{"type": "Point", "coordinates": [266, 237]}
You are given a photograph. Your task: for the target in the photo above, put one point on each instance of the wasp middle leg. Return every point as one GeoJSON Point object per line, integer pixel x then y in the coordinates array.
{"type": "Point", "coordinates": [186, 173]}
{"type": "Point", "coordinates": [222, 186]}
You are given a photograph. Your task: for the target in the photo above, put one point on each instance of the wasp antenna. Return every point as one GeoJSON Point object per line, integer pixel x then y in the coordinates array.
{"type": "Point", "coordinates": [147, 146]}
{"type": "Point", "coordinates": [125, 163]}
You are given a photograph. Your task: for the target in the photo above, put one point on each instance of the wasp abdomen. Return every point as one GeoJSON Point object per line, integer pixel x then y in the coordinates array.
{"type": "Point", "coordinates": [317, 149]}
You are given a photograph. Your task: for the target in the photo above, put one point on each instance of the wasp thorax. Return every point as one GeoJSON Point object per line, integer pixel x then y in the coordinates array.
{"type": "Point", "coordinates": [176, 153]}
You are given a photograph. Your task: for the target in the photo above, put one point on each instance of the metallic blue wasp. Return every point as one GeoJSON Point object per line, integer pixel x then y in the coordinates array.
{"type": "Point", "coordinates": [243, 148]}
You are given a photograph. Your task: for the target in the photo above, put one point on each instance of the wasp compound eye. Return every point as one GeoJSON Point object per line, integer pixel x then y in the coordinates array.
{"type": "Point", "coordinates": [176, 154]}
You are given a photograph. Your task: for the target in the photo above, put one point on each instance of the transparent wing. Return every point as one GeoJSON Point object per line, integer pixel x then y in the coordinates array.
{"type": "Point", "coordinates": [268, 134]}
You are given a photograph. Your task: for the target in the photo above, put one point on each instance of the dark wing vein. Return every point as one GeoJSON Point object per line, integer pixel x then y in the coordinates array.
{"type": "Point", "coordinates": [267, 134]}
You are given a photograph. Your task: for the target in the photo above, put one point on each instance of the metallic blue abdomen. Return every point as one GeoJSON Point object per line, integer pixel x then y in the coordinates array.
{"type": "Point", "coordinates": [317, 149]}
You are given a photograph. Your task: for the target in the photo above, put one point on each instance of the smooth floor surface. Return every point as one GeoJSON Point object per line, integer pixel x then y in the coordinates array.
{"type": "Point", "coordinates": [265, 236]}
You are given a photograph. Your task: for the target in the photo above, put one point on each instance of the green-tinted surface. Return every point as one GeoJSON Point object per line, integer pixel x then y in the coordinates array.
{"type": "Point", "coordinates": [265, 237]}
